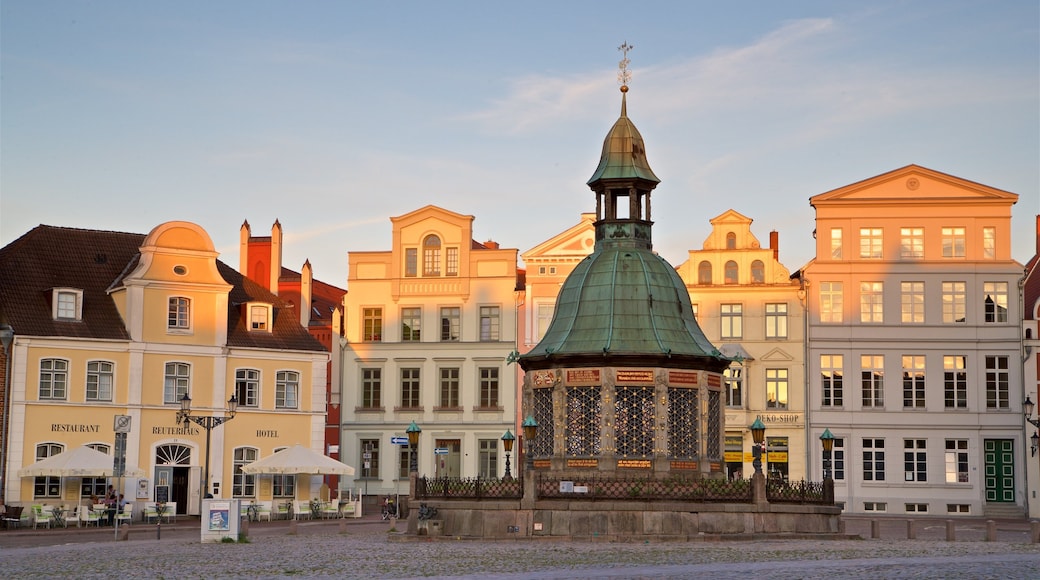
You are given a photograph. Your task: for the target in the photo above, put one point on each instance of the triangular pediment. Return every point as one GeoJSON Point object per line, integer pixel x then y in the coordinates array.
{"type": "Point", "coordinates": [777, 354]}
{"type": "Point", "coordinates": [914, 183]}
{"type": "Point", "coordinates": [576, 241]}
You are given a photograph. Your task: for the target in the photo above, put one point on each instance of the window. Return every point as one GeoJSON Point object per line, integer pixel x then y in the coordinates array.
{"type": "Point", "coordinates": [831, 372]}
{"type": "Point", "coordinates": [956, 461]}
{"type": "Point", "coordinates": [410, 388]}
{"type": "Point", "coordinates": [283, 485]}
{"type": "Point", "coordinates": [953, 302]}
{"type": "Point", "coordinates": [176, 383]}
{"type": "Point", "coordinates": [871, 302]}
{"type": "Point", "coordinates": [732, 326]}
{"type": "Point", "coordinates": [404, 462]}
{"type": "Point", "coordinates": [776, 320]}
{"type": "Point", "coordinates": [370, 458]}
{"type": "Point", "coordinates": [545, 316]}
{"type": "Point", "coordinates": [68, 304]}
{"type": "Point", "coordinates": [915, 460]}
{"type": "Point", "coordinates": [450, 388]}
{"type": "Point", "coordinates": [411, 262]}
{"type": "Point", "coordinates": [452, 257]}
{"type": "Point", "coordinates": [758, 272]}
{"type": "Point", "coordinates": [731, 273]}
{"type": "Point", "coordinates": [47, 486]}
{"type": "Point", "coordinates": [100, 376]}
{"type": "Point", "coordinates": [286, 389]}
{"type": "Point", "coordinates": [432, 256]}
{"type": "Point", "coordinates": [450, 316]}
{"type": "Point", "coordinates": [997, 382]}
{"type": "Point", "coordinates": [258, 317]}
{"type": "Point", "coordinates": [838, 459]}
{"type": "Point", "coordinates": [247, 387]}
{"type": "Point", "coordinates": [911, 302]}
{"type": "Point", "coordinates": [875, 506]}
{"type": "Point", "coordinates": [734, 379]}
{"type": "Point", "coordinates": [953, 242]}
{"type": "Point", "coordinates": [776, 388]}
{"type": "Point", "coordinates": [913, 382]}
{"type": "Point", "coordinates": [831, 305]}
{"type": "Point", "coordinates": [996, 301]}
{"type": "Point", "coordinates": [870, 243]}
{"type": "Point", "coordinates": [54, 376]}
{"type": "Point", "coordinates": [704, 272]}
{"type": "Point", "coordinates": [180, 314]}
{"type": "Point", "coordinates": [920, 508]}
{"type": "Point", "coordinates": [989, 243]}
{"type": "Point", "coordinates": [373, 324]}
{"type": "Point", "coordinates": [489, 388]}
{"type": "Point", "coordinates": [955, 382]}
{"type": "Point", "coordinates": [958, 508]}
{"type": "Point", "coordinates": [371, 388]}
{"type": "Point", "coordinates": [489, 323]}
{"type": "Point", "coordinates": [243, 484]}
{"type": "Point", "coordinates": [836, 253]}
{"type": "Point", "coordinates": [487, 466]}
{"type": "Point", "coordinates": [872, 380]}
{"type": "Point", "coordinates": [731, 241]}
{"type": "Point", "coordinates": [94, 486]}
{"type": "Point", "coordinates": [873, 460]}
{"type": "Point", "coordinates": [911, 243]}
{"type": "Point", "coordinates": [411, 324]}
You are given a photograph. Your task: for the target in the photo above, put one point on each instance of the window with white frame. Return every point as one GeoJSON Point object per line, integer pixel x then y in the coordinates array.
{"type": "Point", "coordinates": [776, 388]}
{"type": "Point", "coordinates": [411, 324]}
{"type": "Point", "coordinates": [838, 459]}
{"type": "Point", "coordinates": [410, 388]}
{"type": "Point", "coordinates": [831, 302]}
{"type": "Point", "coordinates": [260, 317]}
{"type": "Point", "coordinates": [369, 458]}
{"type": "Point", "coordinates": [489, 388]}
{"type": "Point", "coordinates": [243, 484]}
{"type": "Point", "coordinates": [247, 387]}
{"type": "Point", "coordinates": [911, 301]}
{"type": "Point", "coordinates": [47, 486]}
{"type": "Point", "coordinates": [733, 377]}
{"type": "Point", "coordinates": [953, 243]}
{"type": "Point", "coordinates": [451, 256]}
{"type": "Point", "coordinates": [913, 381]}
{"type": "Point", "coordinates": [489, 323]}
{"type": "Point", "coordinates": [997, 382]}
{"type": "Point", "coordinates": [955, 381]}
{"type": "Point", "coordinates": [287, 389]}
{"type": "Point", "coordinates": [832, 371]}
{"type": "Point", "coordinates": [915, 459]}
{"type": "Point", "coordinates": [956, 461]}
{"type": "Point", "coordinates": [911, 243]}
{"type": "Point", "coordinates": [449, 388]}
{"type": "Point", "coordinates": [283, 485]}
{"type": "Point", "coordinates": [872, 380]}
{"type": "Point", "coordinates": [776, 320]}
{"type": "Point", "coordinates": [176, 382]}
{"type": "Point", "coordinates": [451, 321]}
{"type": "Point", "coordinates": [989, 243]}
{"type": "Point", "coordinates": [954, 302]}
{"type": "Point", "coordinates": [372, 324]}
{"type": "Point", "coordinates": [545, 316]}
{"type": "Point", "coordinates": [870, 243]}
{"type": "Point", "coordinates": [179, 313]}
{"type": "Point", "coordinates": [732, 320]}
{"type": "Point", "coordinates": [836, 251]}
{"type": "Point", "coordinates": [100, 378]}
{"type": "Point", "coordinates": [873, 459]}
{"type": "Point", "coordinates": [432, 256]}
{"type": "Point", "coordinates": [94, 486]}
{"type": "Point", "coordinates": [995, 301]}
{"type": "Point", "coordinates": [68, 304]}
{"type": "Point", "coordinates": [871, 302]}
{"type": "Point", "coordinates": [411, 262]}
{"type": "Point", "coordinates": [371, 388]}
{"type": "Point", "coordinates": [487, 466]}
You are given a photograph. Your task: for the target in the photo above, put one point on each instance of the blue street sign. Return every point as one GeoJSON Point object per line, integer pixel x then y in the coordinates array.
{"type": "Point", "coordinates": [399, 441]}
{"type": "Point", "coordinates": [440, 451]}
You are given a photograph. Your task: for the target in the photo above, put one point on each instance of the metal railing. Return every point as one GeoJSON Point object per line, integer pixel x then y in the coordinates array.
{"type": "Point", "coordinates": [802, 492]}
{"type": "Point", "coordinates": [468, 488]}
{"type": "Point", "coordinates": [645, 488]}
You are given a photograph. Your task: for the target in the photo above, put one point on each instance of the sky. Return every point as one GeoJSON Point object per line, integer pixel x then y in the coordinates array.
{"type": "Point", "coordinates": [332, 117]}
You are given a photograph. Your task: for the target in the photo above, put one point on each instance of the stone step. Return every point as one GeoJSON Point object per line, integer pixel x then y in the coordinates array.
{"type": "Point", "coordinates": [1003, 510]}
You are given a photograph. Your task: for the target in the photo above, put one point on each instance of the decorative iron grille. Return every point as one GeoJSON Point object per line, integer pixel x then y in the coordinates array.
{"type": "Point", "coordinates": [468, 488]}
{"type": "Point", "coordinates": [634, 415]}
{"type": "Point", "coordinates": [542, 446]}
{"type": "Point", "coordinates": [584, 416]}
{"type": "Point", "coordinates": [671, 488]}
{"type": "Point", "coordinates": [714, 424]}
{"type": "Point", "coordinates": [804, 492]}
{"type": "Point", "coordinates": [682, 423]}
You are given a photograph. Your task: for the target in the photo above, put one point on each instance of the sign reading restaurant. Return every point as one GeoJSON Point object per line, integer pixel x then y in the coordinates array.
{"type": "Point", "coordinates": [74, 428]}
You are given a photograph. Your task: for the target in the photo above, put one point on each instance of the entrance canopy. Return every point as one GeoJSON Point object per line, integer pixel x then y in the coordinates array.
{"type": "Point", "coordinates": [298, 460]}
{"type": "Point", "coordinates": [76, 462]}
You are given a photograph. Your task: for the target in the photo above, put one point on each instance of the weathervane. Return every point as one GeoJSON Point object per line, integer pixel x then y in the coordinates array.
{"type": "Point", "coordinates": [624, 75]}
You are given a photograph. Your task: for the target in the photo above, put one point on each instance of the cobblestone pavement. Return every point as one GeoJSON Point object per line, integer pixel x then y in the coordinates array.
{"type": "Point", "coordinates": [362, 550]}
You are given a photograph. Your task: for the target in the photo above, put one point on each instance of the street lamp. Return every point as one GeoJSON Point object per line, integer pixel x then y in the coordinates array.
{"type": "Point", "coordinates": [413, 432]}
{"type": "Point", "coordinates": [207, 422]}
{"type": "Point", "coordinates": [6, 337]}
{"type": "Point", "coordinates": [758, 434]}
{"type": "Point", "coordinates": [530, 427]}
{"type": "Point", "coordinates": [1027, 410]}
{"type": "Point", "coordinates": [507, 443]}
{"type": "Point", "coordinates": [828, 446]}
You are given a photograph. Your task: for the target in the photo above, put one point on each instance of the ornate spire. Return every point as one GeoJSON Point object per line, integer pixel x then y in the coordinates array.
{"type": "Point", "coordinates": [624, 75]}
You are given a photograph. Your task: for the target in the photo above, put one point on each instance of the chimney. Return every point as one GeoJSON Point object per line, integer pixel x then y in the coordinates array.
{"type": "Point", "coordinates": [774, 244]}
{"type": "Point", "coordinates": [243, 248]}
{"type": "Point", "coordinates": [276, 256]}
{"type": "Point", "coordinates": [491, 245]}
{"type": "Point", "coordinates": [306, 280]}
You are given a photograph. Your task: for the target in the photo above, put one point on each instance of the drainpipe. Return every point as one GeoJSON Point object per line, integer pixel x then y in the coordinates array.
{"type": "Point", "coordinates": [7, 339]}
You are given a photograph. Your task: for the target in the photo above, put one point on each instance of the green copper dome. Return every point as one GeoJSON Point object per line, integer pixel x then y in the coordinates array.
{"type": "Point", "coordinates": [624, 155]}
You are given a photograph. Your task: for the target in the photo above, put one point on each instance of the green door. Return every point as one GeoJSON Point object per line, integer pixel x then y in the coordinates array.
{"type": "Point", "coordinates": [1000, 470]}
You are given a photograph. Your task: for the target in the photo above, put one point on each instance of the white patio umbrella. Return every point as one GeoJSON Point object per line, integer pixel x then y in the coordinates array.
{"type": "Point", "coordinates": [76, 462]}
{"type": "Point", "coordinates": [298, 460]}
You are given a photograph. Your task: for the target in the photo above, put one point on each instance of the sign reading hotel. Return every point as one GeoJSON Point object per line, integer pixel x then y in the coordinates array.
{"type": "Point", "coordinates": [583, 377]}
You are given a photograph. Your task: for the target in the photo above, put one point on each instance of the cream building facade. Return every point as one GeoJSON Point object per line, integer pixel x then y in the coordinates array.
{"type": "Point", "coordinates": [748, 306]}
{"type": "Point", "coordinates": [111, 325]}
{"type": "Point", "coordinates": [428, 328]}
{"type": "Point", "coordinates": [913, 297]}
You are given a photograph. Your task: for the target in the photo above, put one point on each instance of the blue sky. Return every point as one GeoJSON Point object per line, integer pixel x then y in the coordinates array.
{"type": "Point", "coordinates": [334, 116]}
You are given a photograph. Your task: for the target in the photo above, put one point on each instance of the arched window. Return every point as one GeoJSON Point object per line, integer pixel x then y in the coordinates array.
{"type": "Point", "coordinates": [731, 241]}
{"type": "Point", "coordinates": [47, 486]}
{"type": "Point", "coordinates": [731, 273]}
{"type": "Point", "coordinates": [758, 272]}
{"type": "Point", "coordinates": [283, 485]}
{"type": "Point", "coordinates": [704, 273]}
{"type": "Point", "coordinates": [432, 256]}
{"type": "Point", "coordinates": [94, 486]}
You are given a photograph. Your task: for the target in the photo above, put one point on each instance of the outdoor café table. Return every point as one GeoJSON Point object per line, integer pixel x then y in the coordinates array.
{"type": "Point", "coordinates": [59, 517]}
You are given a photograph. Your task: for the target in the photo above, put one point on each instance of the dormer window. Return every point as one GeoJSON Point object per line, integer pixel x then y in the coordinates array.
{"type": "Point", "coordinates": [259, 317]}
{"type": "Point", "coordinates": [179, 314]}
{"type": "Point", "coordinates": [67, 304]}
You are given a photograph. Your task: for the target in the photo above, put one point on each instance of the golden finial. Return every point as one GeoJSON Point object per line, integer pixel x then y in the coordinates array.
{"type": "Point", "coordinates": [624, 75]}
